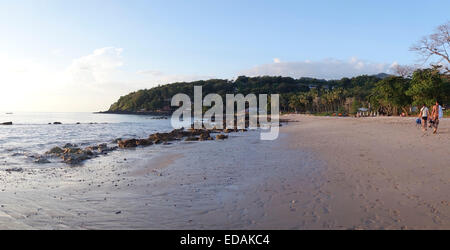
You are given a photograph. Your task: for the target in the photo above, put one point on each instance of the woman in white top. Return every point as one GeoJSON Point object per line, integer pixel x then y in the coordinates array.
{"type": "Point", "coordinates": [424, 113]}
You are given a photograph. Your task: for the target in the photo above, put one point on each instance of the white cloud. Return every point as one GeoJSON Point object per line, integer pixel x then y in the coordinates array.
{"type": "Point", "coordinates": [324, 69]}
{"type": "Point", "coordinates": [99, 67]}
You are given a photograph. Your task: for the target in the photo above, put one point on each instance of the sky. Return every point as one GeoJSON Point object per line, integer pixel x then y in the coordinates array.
{"type": "Point", "coordinates": [73, 56]}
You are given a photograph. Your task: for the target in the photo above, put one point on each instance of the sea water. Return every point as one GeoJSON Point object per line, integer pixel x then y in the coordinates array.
{"type": "Point", "coordinates": [31, 134]}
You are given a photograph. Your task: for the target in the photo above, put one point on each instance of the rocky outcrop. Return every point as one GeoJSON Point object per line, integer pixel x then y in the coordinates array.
{"type": "Point", "coordinates": [130, 143]}
{"type": "Point", "coordinates": [72, 154]}
{"type": "Point", "coordinates": [76, 158]}
{"type": "Point", "coordinates": [72, 151]}
{"type": "Point", "coordinates": [100, 149]}
{"type": "Point", "coordinates": [191, 138]}
{"type": "Point", "coordinates": [144, 142]}
{"type": "Point", "coordinates": [205, 136]}
{"type": "Point", "coordinates": [6, 123]}
{"type": "Point", "coordinates": [55, 151]}
{"type": "Point", "coordinates": [221, 137]}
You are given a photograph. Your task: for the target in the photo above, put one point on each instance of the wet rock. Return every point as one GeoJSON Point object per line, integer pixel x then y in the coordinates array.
{"type": "Point", "coordinates": [7, 123]}
{"type": "Point", "coordinates": [72, 151]}
{"type": "Point", "coordinates": [197, 131]}
{"type": "Point", "coordinates": [70, 145]}
{"type": "Point", "coordinates": [9, 170]}
{"type": "Point", "coordinates": [89, 152]}
{"type": "Point", "coordinates": [75, 158]}
{"type": "Point", "coordinates": [154, 137]}
{"type": "Point", "coordinates": [41, 160]}
{"type": "Point", "coordinates": [144, 142]}
{"type": "Point", "coordinates": [72, 154]}
{"type": "Point", "coordinates": [117, 140]}
{"type": "Point", "coordinates": [205, 136]}
{"type": "Point", "coordinates": [163, 137]}
{"type": "Point", "coordinates": [192, 138]}
{"type": "Point", "coordinates": [101, 148]}
{"type": "Point", "coordinates": [131, 143]}
{"type": "Point", "coordinates": [221, 137]}
{"type": "Point", "coordinates": [176, 134]}
{"type": "Point", "coordinates": [204, 133]}
{"type": "Point", "coordinates": [55, 151]}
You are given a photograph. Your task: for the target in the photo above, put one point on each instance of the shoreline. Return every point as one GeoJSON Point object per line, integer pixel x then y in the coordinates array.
{"type": "Point", "coordinates": [150, 113]}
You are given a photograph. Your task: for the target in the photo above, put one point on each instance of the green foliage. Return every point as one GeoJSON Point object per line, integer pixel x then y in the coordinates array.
{"type": "Point", "coordinates": [159, 97]}
{"type": "Point", "coordinates": [391, 93]}
{"type": "Point", "coordinates": [447, 113]}
{"type": "Point", "coordinates": [387, 94]}
{"type": "Point", "coordinates": [355, 106]}
{"type": "Point", "coordinates": [324, 114]}
{"type": "Point", "coordinates": [427, 86]}
{"type": "Point", "coordinates": [341, 110]}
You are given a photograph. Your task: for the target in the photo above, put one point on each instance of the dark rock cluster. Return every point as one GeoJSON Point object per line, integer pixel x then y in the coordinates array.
{"type": "Point", "coordinates": [73, 154]}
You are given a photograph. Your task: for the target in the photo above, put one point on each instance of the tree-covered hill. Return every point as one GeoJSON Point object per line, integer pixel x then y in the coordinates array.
{"type": "Point", "coordinates": [158, 98]}
{"type": "Point", "coordinates": [382, 93]}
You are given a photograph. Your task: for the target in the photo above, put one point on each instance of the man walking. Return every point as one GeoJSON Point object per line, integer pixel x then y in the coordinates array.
{"type": "Point", "coordinates": [436, 114]}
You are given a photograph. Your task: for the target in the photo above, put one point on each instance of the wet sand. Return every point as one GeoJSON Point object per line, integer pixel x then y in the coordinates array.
{"type": "Point", "coordinates": [322, 173]}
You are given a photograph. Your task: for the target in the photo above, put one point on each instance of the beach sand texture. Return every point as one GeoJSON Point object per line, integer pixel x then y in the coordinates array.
{"type": "Point", "coordinates": [382, 173]}
{"type": "Point", "coordinates": [322, 173]}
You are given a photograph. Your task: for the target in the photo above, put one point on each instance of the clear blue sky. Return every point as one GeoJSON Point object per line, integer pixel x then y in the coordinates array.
{"type": "Point", "coordinates": [214, 38]}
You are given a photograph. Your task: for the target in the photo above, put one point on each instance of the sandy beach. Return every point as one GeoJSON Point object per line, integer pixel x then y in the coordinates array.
{"type": "Point", "coordinates": [322, 173]}
{"type": "Point", "coordinates": [382, 173]}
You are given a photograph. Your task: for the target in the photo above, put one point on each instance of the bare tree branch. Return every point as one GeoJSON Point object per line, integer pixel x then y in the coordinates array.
{"type": "Point", "coordinates": [404, 71]}
{"type": "Point", "coordinates": [435, 47]}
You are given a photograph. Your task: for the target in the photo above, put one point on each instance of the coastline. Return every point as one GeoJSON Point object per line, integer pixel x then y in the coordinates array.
{"type": "Point", "coordinates": [151, 113]}
{"type": "Point", "coordinates": [322, 173]}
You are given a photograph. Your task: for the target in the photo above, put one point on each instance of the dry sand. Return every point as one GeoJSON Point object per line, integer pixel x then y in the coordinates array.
{"type": "Point", "coordinates": [382, 173]}
{"type": "Point", "coordinates": [322, 173]}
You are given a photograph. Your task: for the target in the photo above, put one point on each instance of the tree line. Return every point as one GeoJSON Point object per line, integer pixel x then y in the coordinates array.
{"type": "Point", "coordinates": [386, 94]}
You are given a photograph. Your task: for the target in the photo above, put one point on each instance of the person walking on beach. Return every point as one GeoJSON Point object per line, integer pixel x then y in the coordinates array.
{"type": "Point", "coordinates": [424, 113]}
{"type": "Point", "coordinates": [436, 114]}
